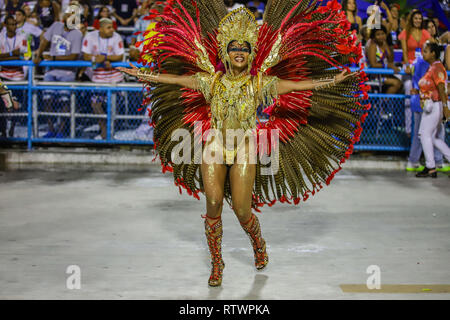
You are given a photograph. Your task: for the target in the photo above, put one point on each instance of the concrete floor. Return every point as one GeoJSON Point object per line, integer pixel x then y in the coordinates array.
{"type": "Point", "coordinates": [133, 236]}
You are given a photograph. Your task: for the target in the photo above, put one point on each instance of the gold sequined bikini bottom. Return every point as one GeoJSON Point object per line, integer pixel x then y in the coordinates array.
{"type": "Point", "coordinates": [228, 156]}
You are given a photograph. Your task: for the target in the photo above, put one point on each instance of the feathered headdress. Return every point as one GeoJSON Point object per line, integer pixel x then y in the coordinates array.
{"type": "Point", "coordinates": [239, 25]}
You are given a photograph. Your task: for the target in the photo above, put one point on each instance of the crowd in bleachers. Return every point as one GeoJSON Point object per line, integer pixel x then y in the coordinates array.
{"type": "Point", "coordinates": [39, 30]}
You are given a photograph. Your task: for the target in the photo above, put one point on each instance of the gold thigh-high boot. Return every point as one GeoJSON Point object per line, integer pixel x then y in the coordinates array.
{"type": "Point", "coordinates": [253, 230]}
{"type": "Point", "coordinates": [214, 237]}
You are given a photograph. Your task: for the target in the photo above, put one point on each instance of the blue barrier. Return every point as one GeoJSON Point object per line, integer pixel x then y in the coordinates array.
{"type": "Point", "coordinates": [383, 129]}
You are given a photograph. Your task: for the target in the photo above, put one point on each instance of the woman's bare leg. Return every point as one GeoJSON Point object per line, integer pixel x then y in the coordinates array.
{"type": "Point", "coordinates": [242, 179]}
{"type": "Point", "coordinates": [394, 85]}
{"type": "Point", "coordinates": [213, 176]}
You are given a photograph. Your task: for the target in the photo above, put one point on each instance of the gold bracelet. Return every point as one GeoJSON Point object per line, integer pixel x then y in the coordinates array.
{"type": "Point", "coordinates": [324, 83]}
{"type": "Point", "coordinates": [150, 77]}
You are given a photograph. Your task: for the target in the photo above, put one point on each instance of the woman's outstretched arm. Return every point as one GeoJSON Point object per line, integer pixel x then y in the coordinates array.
{"type": "Point", "coordinates": [288, 86]}
{"type": "Point", "coordinates": [184, 81]}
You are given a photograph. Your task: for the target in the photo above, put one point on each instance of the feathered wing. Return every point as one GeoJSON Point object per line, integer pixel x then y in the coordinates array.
{"type": "Point", "coordinates": [184, 44]}
{"type": "Point", "coordinates": [300, 40]}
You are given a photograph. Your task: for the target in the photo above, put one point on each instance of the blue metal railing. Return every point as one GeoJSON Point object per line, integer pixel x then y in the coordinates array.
{"type": "Point", "coordinates": [383, 129]}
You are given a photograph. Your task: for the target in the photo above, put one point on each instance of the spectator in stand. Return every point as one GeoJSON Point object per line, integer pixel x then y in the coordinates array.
{"type": "Point", "coordinates": [11, 6]}
{"type": "Point", "coordinates": [431, 27]}
{"type": "Point", "coordinates": [125, 11]}
{"type": "Point", "coordinates": [393, 21]}
{"type": "Point", "coordinates": [31, 32]}
{"type": "Point", "coordinates": [419, 68]}
{"type": "Point", "coordinates": [392, 24]}
{"type": "Point", "coordinates": [30, 17]}
{"type": "Point", "coordinates": [47, 12]}
{"type": "Point", "coordinates": [65, 45]}
{"type": "Point", "coordinates": [434, 99]}
{"type": "Point", "coordinates": [232, 5]}
{"type": "Point", "coordinates": [381, 55]}
{"type": "Point", "coordinates": [436, 23]}
{"type": "Point", "coordinates": [141, 26]}
{"type": "Point", "coordinates": [351, 11]}
{"type": "Point", "coordinates": [413, 37]}
{"type": "Point", "coordinates": [13, 46]}
{"type": "Point", "coordinates": [102, 47]}
{"type": "Point", "coordinates": [103, 13]}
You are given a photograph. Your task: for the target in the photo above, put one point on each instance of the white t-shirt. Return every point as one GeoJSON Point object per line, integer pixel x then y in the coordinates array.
{"type": "Point", "coordinates": [96, 45]}
{"type": "Point", "coordinates": [28, 29]}
{"type": "Point", "coordinates": [19, 41]}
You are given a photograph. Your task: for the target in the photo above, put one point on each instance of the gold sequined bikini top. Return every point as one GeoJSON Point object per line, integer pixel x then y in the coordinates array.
{"type": "Point", "coordinates": [236, 98]}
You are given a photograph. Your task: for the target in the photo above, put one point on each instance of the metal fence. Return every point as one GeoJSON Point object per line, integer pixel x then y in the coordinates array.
{"type": "Point", "coordinates": [76, 112]}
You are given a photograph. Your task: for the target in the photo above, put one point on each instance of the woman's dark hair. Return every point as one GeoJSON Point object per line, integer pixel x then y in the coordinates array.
{"type": "Point", "coordinates": [381, 28]}
{"type": "Point", "coordinates": [345, 4]}
{"type": "Point", "coordinates": [98, 17]}
{"type": "Point", "coordinates": [435, 47]}
{"type": "Point", "coordinates": [425, 23]}
{"type": "Point", "coordinates": [374, 30]}
{"type": "Point", "coordinates": [410, 22]}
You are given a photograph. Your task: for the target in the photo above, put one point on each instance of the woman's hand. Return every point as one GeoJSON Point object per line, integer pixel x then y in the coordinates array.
{"type": "Point", "coordinates": [407, 67]}
{"type": "Point", "coordinates": [132, 72]}
{"type": "Point", "coordinates": [344, 76]}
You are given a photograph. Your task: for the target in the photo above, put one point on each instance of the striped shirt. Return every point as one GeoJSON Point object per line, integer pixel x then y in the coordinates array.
{"type": "Point", "coordinates": [95, 45]}
{"type": "Point", "coordinates": [7, 45]}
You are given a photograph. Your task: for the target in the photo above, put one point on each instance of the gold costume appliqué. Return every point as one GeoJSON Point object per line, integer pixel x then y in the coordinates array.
{"type": "Point", "coordinates": [234, 100]}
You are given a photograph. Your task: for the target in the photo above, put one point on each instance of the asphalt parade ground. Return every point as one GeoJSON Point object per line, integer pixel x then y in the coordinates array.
{"type": "Point", "coordinates": [125, 232]}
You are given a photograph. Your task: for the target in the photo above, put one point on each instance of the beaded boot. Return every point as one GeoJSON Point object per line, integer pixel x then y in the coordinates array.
{"type": "Point", "coordinates": [253, 230]}
{"type": "Point", "coordinates": [214, 237]}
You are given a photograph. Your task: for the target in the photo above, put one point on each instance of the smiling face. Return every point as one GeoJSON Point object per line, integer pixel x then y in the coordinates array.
{"type": "Point", "coordinates": [417, 20]}
{"type": "Point", "coordinates": [351, 5]}
{"type": "Point", "coordinates": [239, 54]}
{"type": "Point", "coordinates": [431, 28]}
{"type": "Point", "coordinates": [394, 12]}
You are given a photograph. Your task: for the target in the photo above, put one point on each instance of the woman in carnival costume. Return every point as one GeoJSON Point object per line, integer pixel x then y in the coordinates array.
{"type": "Point", "coordinates": [212, 71]}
